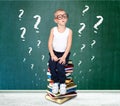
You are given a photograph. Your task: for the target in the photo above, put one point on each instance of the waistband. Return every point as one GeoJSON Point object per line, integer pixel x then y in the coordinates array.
{"type": "Point", "coordinates": [58, 52]}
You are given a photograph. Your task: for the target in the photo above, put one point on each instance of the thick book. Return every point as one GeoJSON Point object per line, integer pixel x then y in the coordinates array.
{"type": "Point", "coordinates": [70, 62]}
{"type": "Point", "coordinates": [69, 71]}
{"type": "Point", "coordinates": [71, 94]}
{"type": "Point", "coordinates": [69, 66]}
{"type": "Point", "coordinates": [58, 100]}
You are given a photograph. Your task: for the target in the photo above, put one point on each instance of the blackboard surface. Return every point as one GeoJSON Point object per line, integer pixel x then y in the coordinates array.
{"type": "Point", "coordinates": [95, 51]}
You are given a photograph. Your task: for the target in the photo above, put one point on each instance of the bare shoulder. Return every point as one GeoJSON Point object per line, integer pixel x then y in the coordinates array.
{"type": "Point", "coordinates": [70, 31]}
{"type": "Point", "coordinates": [52, 29]}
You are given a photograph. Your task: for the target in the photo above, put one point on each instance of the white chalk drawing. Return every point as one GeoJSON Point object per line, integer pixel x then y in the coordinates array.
{"type": "Point", "coordinates": [30, 50]}
{"type": "Point", "coordinates": [83, 46]}
{"type": "Point", "coordinates": [21, 14]}
{"type": "Point", "coordinates": [85, 10]}
{"type": "Point", "coordinates": [37, 22]}
{"type": "Point", "coordinates": [93, 43]}
{"type": "Point", "coordinates": [80, 62]}
{"type": "Point", "coordinates": [32, 66]}
{"type": "Point", "coordinates": [23, 33]}
{"type": "Point", "coordinates": [43, 57]}
{"type": "Point", "coordinates": [38, 44]}
{"type": "Point", "coordinates": [81, 29]}
{"type": "Point", "coordinates": [24, 59]}
{"type": "Point", "coordinates": [74, 54]}
{"type": "Point", "coordinates": [92, 58]}
{"type": "Point", "coordinates": [98, 23]}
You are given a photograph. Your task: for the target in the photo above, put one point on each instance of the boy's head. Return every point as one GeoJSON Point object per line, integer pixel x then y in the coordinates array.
{"type": "Point", "coordinates": [59, 12]}
{"type": "Point", "coordinates": [59, 15]}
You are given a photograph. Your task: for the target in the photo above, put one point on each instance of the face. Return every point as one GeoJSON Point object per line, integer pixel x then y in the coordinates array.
{"type": "Point", "coordinates": [61, 17]}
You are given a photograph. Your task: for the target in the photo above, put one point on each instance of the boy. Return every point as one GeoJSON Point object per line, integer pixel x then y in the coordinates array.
{"type": "Point", "coordinates": [59, 45]}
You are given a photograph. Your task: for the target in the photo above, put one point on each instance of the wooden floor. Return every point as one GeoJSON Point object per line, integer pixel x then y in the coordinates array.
{"type": "Point", "coordinates": [38, 99]}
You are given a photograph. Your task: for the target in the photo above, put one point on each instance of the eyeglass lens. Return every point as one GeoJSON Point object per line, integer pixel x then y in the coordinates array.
{"type": "Point", "coordinates": [62, 16]}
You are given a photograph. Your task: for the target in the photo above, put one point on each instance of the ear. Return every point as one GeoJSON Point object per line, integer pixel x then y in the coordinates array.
{"type": "Point", "coordinates": [55, 20]}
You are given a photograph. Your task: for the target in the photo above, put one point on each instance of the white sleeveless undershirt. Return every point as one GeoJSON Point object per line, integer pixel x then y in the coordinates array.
{"type": "Point", "coordinates": [60, 40]}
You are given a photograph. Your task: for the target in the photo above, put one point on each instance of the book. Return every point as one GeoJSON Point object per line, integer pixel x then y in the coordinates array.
{"type": "Point", "coordinates": [69, 71]}
{"type": "Point", "coordinates": [70, 94]}
{"type": "Point", "coordinates": [58, 100]}
{"type": "Point", "coordinates": [69, 66]}
{"type": "Point", "coordinates": [68, 80]}
{"type": "Point", "coordinates": [69, 62]}
{"type": "Point", "coordinates": [71, 87]}
{"type": "Point", "coordinates": [71, 84]}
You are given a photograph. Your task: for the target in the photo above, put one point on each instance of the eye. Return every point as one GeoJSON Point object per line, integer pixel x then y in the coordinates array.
{"type": "Point", "coordinates": [59, 16]}
{"type": "Point", "coordinates": [65, 16]}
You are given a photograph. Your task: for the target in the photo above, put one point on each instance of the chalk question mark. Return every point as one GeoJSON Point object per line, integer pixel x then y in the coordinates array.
{"type": "Point", "coordinates": [90, 70]}
{"type": "Point", "coordinates": [74, 54]}
{"type": "Point", "coordinates": [43, 57]}
{"type": "Point", "coordinates": [24, 59]}
{"type": "Point", "coordinates": [82, 28]}
{"type": "Point", "coordinates": [23, 33]}
{"type": "Point", "coordinates": [21, 13]}
{"type": "Point", "coordinates": [32, 66]}
{"type": "Point", "coordinates": [37, 22]}
{"type": "Point", "coordinates": [98, 23]}
{"type": "Point", "coordinates": [86, 9]}
{"type": "Point", "coordinates": [83, 46]}
{"type": "Point", "coordinates": [39, 42]}
{"type": "Point", "coordinates": [30, 50]}
{"type": "Point", "coordinates": [92, 58]}
{"type": "Point", "coordinates": [93, 43]}
{"type": "Point", "coordinates": [80, 62]}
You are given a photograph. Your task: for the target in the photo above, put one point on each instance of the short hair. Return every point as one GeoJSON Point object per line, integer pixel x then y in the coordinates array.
{"type": "Point", "coordinates": [60, 10]}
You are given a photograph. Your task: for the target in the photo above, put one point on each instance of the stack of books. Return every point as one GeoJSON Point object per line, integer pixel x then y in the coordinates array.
{"type": "Point", "coordinates": [71, 86]}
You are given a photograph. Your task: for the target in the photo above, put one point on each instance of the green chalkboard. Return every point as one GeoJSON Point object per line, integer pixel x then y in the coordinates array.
{"type": "Point", "coordinates": [24, 32]}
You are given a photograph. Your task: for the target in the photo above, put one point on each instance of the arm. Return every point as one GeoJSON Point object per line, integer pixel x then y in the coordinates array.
{"type": "Point", "coordinates": [50, 48]}
{"type": "Point", "coordinates": [69, 43]}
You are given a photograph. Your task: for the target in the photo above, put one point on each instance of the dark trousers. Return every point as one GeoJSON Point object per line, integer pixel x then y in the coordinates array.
{"type": "Point", "coordinates": [57, 70]}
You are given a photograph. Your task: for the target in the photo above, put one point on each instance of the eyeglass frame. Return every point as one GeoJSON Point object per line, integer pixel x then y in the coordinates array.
{"type": "Point", "coordinates": [62, 16]}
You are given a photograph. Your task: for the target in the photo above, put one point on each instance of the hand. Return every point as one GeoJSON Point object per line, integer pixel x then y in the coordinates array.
{"type": "Point", "coordinates": [62, 60]}
{"type": "Point", "coordinates": [54, 58]}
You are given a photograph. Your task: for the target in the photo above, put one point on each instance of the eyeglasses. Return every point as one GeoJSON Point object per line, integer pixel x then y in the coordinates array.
{"type": "Point", "coordinates": [61, 16]}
